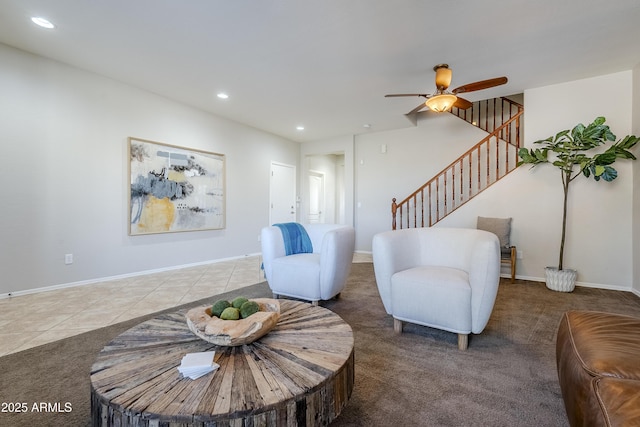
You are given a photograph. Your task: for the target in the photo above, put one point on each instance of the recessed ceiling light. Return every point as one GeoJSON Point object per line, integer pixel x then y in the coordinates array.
{"type": "Point", "coordinates": [222, 95]}
{"type": "Point", "coordinates": [44, 23]}
{"type": "Point", "coordinates": [300, 127]}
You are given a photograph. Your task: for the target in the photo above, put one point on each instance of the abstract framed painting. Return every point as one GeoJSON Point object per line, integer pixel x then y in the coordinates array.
{"type": "Point", "coordinates": [174, 189]}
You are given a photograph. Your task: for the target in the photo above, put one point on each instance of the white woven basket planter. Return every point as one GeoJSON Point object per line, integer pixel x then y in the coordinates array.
{"type": "Point", "coordinates": [560, 280]}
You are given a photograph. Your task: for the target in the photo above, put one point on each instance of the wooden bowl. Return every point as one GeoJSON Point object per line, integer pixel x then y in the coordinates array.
{"type": "Point", "coordinates": [234, 332]}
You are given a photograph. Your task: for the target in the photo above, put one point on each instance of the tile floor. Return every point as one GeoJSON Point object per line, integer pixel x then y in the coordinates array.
{"type": "Point", "coordinates": [71, 311]}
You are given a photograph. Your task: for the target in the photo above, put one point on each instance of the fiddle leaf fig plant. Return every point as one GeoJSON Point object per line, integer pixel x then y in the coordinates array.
{"type": "Point", "coordinates": [574, 154]}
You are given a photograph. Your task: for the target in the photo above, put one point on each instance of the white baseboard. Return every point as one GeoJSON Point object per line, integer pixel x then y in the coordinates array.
{"type": "Point", "coordinates": [542, 279]}
{"type": "Point", "coordinates": [118, 277]}
{"type": "Point", "coordinates": [582, 284]}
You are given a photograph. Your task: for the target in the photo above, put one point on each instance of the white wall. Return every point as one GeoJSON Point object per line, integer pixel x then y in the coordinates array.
{"type": "Point", "coordinates": [413, 155]}
{"type": "Point", "coordinates": [63, 137]}
{"type": "Point", "coordinates": [599, 242]}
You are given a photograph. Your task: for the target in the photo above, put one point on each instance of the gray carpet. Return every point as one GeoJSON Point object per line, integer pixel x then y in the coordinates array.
{"type": "Point", "coordinates": [507, 376]}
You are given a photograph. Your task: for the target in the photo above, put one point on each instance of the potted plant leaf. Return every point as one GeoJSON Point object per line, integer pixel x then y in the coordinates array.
{"type": "Point", "coordinates": [575, 152]}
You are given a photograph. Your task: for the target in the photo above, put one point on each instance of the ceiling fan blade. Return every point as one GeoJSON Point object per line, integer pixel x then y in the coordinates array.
{"type": "Point", "coordinates": [424, 95]}
{"type": "Point", "coordinates": [415, 110]}
{"type": "Point", "coordinates": [462, 103]}
{"type": "Point", "coordinates": [483, 84]}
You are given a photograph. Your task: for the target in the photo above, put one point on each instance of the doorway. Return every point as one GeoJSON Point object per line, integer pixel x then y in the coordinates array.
{"type": "Point", "coordinates": [324, 189]}
{"type": "Point", "coordinates": [316, 197]}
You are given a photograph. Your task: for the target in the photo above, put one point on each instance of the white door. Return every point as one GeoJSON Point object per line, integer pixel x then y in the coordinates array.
{"type": "Point", "coordinates": [316, 197]}
{"type": "Point", "coordinates": [282, 193]}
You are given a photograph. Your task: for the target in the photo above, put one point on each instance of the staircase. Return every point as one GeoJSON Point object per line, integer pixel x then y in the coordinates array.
{"type": "Point", "coordinates": [488, 161]}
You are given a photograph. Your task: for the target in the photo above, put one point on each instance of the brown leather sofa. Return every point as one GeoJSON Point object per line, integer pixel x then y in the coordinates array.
{"type": "Point", "coordinates": [598, 360]}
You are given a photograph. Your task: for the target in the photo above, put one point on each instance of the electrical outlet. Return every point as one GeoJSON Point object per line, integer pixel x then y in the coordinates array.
{"type": "Point", "coordinates": [519, 254]}
{"type": "Point", "coordinates": [68, 259]}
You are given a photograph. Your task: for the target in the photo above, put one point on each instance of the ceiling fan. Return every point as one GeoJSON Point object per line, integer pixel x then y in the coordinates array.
{"type": "Point", "coordinates": [442, 100]}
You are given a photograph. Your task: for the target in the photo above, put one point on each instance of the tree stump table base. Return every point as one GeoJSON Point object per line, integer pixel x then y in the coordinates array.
{"type": "Point", "coordinates": [301, 373]}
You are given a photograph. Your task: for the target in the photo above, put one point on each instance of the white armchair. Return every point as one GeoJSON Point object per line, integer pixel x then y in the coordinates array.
{"type": "Point", "coordinates": [444, 278]}
{"type": "Point", "coordinates": [320, 275]}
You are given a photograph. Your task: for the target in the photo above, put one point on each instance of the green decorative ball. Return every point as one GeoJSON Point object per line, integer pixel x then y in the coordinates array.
{"type": "Point", "coordinates": [248, 308]}
{"type": "Point", "coordinates": [218, 307]}
{"type": "Point", "coordinates": [238, 301]}
{"type": "Point", "coordinates": [230, 313]}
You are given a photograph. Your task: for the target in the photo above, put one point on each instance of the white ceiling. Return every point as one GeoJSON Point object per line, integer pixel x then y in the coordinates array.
{"type": "Point", "coordinates": [327, 64]}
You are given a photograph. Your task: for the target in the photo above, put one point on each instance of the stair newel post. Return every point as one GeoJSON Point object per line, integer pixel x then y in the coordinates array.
{"type": "Point", "coordinates": [394, 208]}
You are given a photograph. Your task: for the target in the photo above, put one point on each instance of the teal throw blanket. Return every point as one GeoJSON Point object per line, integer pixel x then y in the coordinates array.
{"type": "Point", "coordinates": [296, 239]}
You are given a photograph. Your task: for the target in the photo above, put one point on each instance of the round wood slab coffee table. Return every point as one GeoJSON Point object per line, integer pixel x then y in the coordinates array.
{"type": "Point", "coordinates": [300, 373]}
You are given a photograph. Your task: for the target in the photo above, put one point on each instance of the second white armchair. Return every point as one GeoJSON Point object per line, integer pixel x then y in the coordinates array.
{"type": "Point", "coordinates": [445, 278]}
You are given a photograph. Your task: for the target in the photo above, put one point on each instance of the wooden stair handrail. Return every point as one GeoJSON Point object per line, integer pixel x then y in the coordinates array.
{"type": "Point", "coordinates": [465, 154]}
{"type": "Point", "coordinates": [496, 133]}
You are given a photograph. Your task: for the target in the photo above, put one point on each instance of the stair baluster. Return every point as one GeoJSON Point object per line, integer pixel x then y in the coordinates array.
{"type": "Point", "coordinates": [496, 155]}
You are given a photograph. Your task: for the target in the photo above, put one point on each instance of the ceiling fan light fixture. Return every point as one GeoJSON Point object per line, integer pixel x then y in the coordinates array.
{"type": "Point", "coordinates": [443, 76]}
{"type": "Point", "coordinates": [441, 103]}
